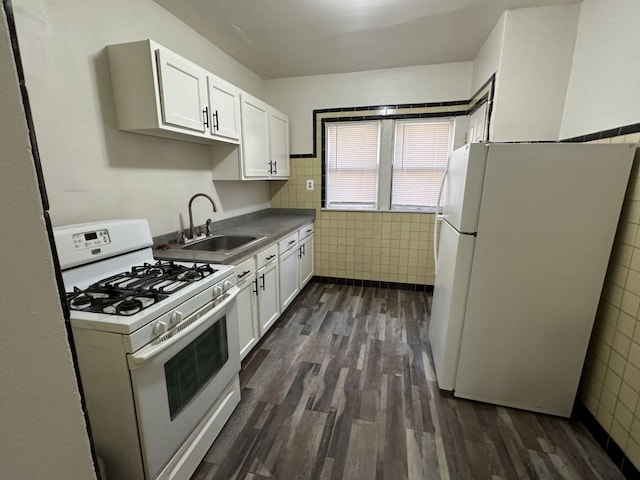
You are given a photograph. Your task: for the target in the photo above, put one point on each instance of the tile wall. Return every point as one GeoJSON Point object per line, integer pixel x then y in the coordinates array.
{"type": "Point", "coordinates": [378, 246]}
{"type": "Point", "coordinates": [610, 387]}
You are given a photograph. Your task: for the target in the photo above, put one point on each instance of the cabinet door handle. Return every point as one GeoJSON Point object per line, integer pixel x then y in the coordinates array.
{"type": "Point", "coordinates": [206, 116]}
{"type": "Point", "coordinates": [262, 282]}
{"type": "Point", "coordinates": [216, 123]}
{"type": "Point", "coordinates": [243, 274]}
{"type": "Point", "coordinates": [300, 251]}
{"type": "Point", "coordinates": [304, 250]}
{"type": "Point", "coordinates": [255, 283]}
{"type": "Point", "coordinates": [275, 166]}
{"type": "Point", "coordinates": [270, 167]}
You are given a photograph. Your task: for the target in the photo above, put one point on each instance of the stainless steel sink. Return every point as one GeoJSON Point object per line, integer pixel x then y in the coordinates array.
{"type": "Point", "coordinates": [222, 243]}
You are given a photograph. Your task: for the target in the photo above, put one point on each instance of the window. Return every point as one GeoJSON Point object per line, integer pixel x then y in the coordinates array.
{"type": "Point", "coordinates": [386, 164]}
{"type": "Point", "coordinates": [352, 165]}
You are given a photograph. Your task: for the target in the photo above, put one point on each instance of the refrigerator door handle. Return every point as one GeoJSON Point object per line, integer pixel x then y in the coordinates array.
{"type": "Point", "coordinates": [438, 218]}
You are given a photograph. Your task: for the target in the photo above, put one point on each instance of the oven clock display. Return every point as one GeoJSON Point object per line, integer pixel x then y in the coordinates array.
{"type": "Point", "coordinates": [91, 239]}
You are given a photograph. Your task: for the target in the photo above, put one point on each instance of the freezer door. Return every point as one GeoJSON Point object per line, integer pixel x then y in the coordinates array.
{"type": "Point", "coordinates": [449, 302]}
{"type": "Point", "coordinates": [547, 222]}
{"type": "Point", "coordinates": [465, 175]}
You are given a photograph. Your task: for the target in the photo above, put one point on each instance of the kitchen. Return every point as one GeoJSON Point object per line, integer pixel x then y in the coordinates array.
{"type": "Point", "coordinates": [92, 170]}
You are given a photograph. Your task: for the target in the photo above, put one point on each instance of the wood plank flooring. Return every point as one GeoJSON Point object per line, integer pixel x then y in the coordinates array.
{"type": "Point", "coordinates": [343, 387]}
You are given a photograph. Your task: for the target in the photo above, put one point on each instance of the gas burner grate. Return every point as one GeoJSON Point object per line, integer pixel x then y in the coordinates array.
{"type": "Point", "coordinates": [144, 285]}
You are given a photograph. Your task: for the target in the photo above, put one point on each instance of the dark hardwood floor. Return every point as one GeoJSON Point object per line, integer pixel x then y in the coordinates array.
{"type": "Point", "coordinates": [343, 387]}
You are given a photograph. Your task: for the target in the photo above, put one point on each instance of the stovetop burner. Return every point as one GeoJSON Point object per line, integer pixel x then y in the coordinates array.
{"type": "Point", "coordinates": [127, 293]}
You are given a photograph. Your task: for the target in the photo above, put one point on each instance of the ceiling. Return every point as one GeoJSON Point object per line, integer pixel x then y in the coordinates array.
{"type": "Point", "coordinates": [284, 38]}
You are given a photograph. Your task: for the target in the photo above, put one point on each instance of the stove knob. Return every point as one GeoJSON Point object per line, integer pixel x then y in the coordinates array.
{"type": "Point", "coordinates": [217, 291]}
{"type": "Point", "coordinates": [227, 285]}
{"type": "Point", "coordinates": [176, 317]}
{"type": "Point", "coordinates": [159, 328]}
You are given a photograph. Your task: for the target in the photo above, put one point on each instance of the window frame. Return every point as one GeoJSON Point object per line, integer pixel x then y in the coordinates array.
{"type": "Point", "coordinates": [385, 155]}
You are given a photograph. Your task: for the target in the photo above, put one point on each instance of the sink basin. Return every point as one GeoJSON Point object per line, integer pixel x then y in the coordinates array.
{"type": "Point", "coordinates": [221, 243]}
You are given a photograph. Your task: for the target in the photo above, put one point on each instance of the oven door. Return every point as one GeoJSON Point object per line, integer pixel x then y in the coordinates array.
{"type": "Point", "coordinates": [178, 378]}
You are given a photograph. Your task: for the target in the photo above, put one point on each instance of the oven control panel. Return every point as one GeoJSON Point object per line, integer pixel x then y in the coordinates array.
{"type": "Point", "coordinates": [91, 239]}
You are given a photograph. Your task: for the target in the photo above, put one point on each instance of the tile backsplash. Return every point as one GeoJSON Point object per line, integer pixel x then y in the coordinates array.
{"type": "Point", "coordinates": [382, 246]}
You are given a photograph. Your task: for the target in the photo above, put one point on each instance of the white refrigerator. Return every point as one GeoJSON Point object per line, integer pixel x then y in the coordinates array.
{"type": "Point", "coordinates": [526, 232]}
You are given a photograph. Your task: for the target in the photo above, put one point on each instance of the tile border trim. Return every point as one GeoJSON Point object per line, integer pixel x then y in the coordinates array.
{"type": "Point", "coordinates": [414, 287]}
{"type": "Point", "coordinates": [483, 95]}
{"type": "Point", "coordinates": [611, 448]}
{"type": "Point", "coordinates": [609, 133]}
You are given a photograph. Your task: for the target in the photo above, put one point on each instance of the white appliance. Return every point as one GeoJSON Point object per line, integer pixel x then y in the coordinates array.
{"type": "Point", "coordinates": [157, 348]}
{"type": "Point", "coordinates": [526, 235]}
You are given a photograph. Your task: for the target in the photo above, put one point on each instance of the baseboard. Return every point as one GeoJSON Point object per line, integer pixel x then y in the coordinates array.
{"type": "Point", "coordinates": [414, 287]}
{"type": "Point", "coordinates": [601, 436]}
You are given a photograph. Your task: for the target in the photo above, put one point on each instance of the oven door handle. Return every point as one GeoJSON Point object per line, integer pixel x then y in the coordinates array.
{"type": "Point", "coordinates": [147, 353]}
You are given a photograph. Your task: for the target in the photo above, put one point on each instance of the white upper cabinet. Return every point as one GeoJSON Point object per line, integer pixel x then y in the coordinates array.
{"type": "Point", "coordinates": [265, 145]}
{"type": "Point", "coordinates": [158, 92]}
{"type": "Point", "coordinates": [183, 94]}
{"type": "Point", "coordinates": [279, 143]}
{"type": "Point", "coordinates": [224, 104]}
{"type": "Point", "coordinates": [255, 138]}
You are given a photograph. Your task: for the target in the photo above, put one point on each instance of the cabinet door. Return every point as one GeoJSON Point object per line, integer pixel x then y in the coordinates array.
{"type": "Point", "coordinates": [249, 331]}
{"type": "Point", "coordinates": [279, 143]}
{"type": "Point", "coordinates": [289, 286]}
{"type": "Point", "coordinates": [183, 94]}
{"type": "Point", "coordinates": [255, 138]}
{"type": "Point", "coordinates": [268, 298]}
{"type": "Point", "coordinates": [224, 105]}
{"type": "Point", "coordinates": [306, 260]}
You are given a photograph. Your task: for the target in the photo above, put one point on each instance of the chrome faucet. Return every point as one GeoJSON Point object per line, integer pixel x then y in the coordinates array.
{"type": "Point", "coordinates": [192, 232]}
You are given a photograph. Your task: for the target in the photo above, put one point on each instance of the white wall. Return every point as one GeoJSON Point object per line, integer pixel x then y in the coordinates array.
{"type": "Point", "coordinates": [92, 170]}
{"type": "Point", "coordinates": [604, 87]}
{"type": "Point", "coordinates": [43, 430]}
{"type": "Point", "coordinates": [489, 57]}
{"type": "Point", "coordinates": [534, 73]}
{"type": "Point", "coordinates": [299, 96]}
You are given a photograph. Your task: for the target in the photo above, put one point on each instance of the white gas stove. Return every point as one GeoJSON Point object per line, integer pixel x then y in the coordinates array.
{"type": "Point", "coordinates": [157, 348]}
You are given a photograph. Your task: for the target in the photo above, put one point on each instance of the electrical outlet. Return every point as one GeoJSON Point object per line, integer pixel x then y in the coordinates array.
{"type": "Point", "coordinates": [309, 184]}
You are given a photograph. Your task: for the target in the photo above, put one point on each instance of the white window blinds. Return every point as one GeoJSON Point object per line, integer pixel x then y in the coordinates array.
{"type": "Point", "coordinates": [352, 160]}
{"type": "Point", "coordinates": [421, 149]}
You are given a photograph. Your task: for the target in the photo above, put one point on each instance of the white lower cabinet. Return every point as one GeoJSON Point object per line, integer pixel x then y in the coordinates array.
{"type": "Point", "coordinates": [268, 291]}
{"type": "Point", "coordinates": [269, 282]}
{"type": "Point", "coordinates": [305, 254]}
{"type": "Point", "coordinates": [288, 260]}
{"type": "Point", "coordinates": [248, 324]}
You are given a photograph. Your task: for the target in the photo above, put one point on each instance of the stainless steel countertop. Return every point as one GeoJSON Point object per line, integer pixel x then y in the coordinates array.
{"type": "Point", "coordinates": [273, 226]}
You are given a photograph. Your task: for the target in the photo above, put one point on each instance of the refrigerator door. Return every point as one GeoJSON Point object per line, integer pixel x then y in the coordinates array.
{"type": "Point", "coordinates": [547, 221]}
{"type": "Point", "coordinates": [465, 175]}
{"type": "Point", "coordinates": [449, 302]}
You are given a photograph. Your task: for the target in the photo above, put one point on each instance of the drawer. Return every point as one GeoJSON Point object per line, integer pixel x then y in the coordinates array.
{"type": "Point", "coordinates": [267, 255]}
{"type": "Point", "coordinates": [305, 231]}
{"type": "Point", "coordinates": [245, 269]}
{"type": "Point", "coordinates": [287, 243]}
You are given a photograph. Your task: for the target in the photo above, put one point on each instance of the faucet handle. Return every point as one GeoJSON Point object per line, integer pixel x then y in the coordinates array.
{"type": "Point", "coordinates": [207, 227]}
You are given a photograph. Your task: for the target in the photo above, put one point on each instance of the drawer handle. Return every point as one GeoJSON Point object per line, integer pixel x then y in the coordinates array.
{"type": "Point", "coordinates": [270, 257]}
{"type": "Point", "coordinates": [291, 242]}
{"type": "Point", "coordinates": [309, 231]}
{"type": "Point", "coordinates": [244, 274]}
